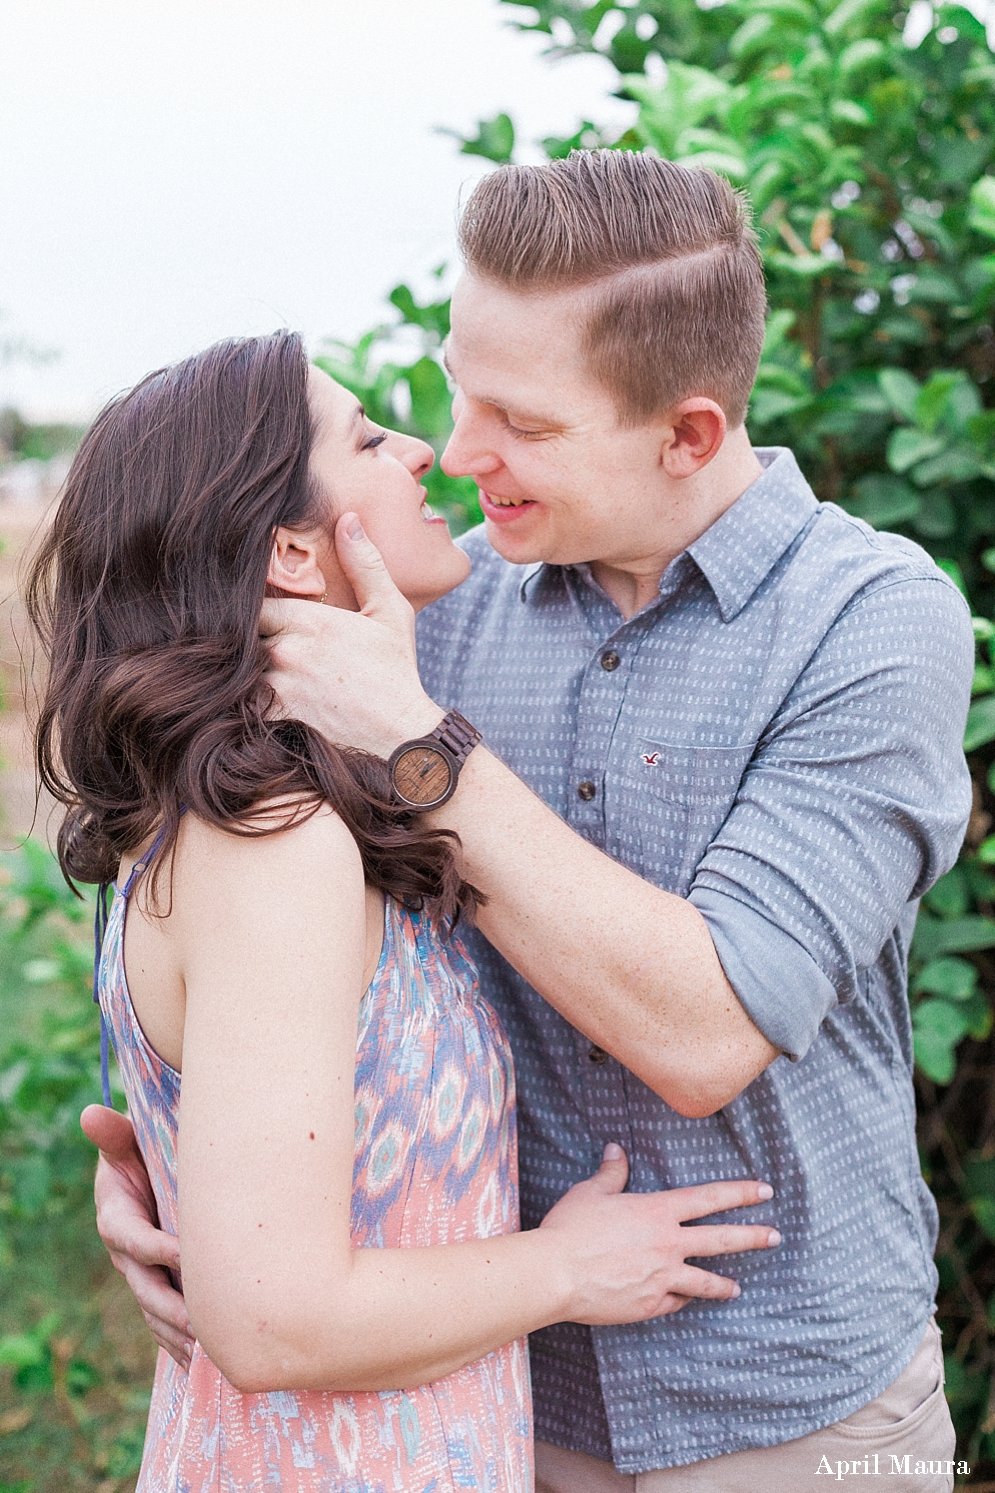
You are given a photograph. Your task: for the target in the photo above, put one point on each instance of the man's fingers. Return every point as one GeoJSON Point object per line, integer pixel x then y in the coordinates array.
{"type": "Point", "coordinates": [273, 617]}
{"type": "Point", "coordinates": [729, 1239]}
{"type": "Point", "coordinates": [110, 1131]}
{"type": "Point", "coordinates": [163, 1309]}
{"type": "Point", "coordinates": [717, 1197]}
{"type": "Point", "coordinates": [178, 1348]}
{"type": "Point", "coordinates": [134, 1239]}
{"type": "Point", "coordinates": [694, 1282]}
{"type": "Point", "coordinates": [613, 1173]}
{"type": "Point", "coordinates": [366, 572]}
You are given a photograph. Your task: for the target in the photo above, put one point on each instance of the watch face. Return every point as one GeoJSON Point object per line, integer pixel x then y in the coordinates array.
{"type": "Point", "coordinates": [422, 775]}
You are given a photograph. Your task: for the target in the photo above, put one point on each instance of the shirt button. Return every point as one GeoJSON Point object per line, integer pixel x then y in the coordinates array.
{"type": "Point", "coordinates": [610, 661]}
{"type": "Point", "coordinates": [598, 1055]}
{"type": "Point", "coordinates": [586, 791]}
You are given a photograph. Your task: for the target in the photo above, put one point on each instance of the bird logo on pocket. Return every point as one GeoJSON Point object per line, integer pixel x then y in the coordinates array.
{"type": "Point", "coordinates": [650, 758]}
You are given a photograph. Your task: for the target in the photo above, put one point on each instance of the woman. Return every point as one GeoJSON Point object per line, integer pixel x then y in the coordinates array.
{"type": "Point", "coordinates": [342, 1170]}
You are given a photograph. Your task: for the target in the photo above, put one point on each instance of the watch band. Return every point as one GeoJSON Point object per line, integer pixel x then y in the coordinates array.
{"type": "Point", "coordinates": [457, 735]}
{"type": "Point", "coordinates": [424, 772]}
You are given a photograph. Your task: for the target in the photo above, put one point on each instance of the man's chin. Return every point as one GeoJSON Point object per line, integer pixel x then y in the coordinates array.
{"type": "Point", "coordinates": [520, 549]}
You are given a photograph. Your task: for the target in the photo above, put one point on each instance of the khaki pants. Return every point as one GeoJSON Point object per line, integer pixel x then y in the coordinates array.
{"type": "Point", "coordinates": [909, 1420]}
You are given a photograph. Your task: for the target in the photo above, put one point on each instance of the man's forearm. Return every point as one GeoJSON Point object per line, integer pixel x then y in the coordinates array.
{"type": "Point", "coordinates": [631, 966]}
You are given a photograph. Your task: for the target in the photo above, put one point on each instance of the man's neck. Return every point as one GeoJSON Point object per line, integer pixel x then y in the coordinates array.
{"type": "Point", "coordinates": [696, 504]}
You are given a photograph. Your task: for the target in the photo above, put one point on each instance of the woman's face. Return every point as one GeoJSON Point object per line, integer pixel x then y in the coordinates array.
{"type": "Point", "coordinates": [377, 474]}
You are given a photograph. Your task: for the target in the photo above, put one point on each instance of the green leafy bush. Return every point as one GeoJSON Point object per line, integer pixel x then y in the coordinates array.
{"type": "Point", "coordinates": [70, 1410]}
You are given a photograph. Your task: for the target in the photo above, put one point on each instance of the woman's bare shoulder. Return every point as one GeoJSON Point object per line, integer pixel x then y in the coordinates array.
{"type": "Point", "coordinates": [313, 857]}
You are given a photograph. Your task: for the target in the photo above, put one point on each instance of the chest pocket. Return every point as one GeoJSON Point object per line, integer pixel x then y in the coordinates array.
{"type": "Point", "coordinates": [683, 796]}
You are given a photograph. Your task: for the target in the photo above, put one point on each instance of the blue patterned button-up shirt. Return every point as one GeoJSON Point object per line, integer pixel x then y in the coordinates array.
{"type": "Point", "coordinates": [777, 737]}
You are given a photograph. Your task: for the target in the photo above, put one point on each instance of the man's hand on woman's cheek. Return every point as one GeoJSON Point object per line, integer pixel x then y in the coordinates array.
{"type": "Point", "coordinates": [351, 675]}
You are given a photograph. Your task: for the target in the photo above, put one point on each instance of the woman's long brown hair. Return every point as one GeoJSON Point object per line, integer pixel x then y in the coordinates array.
{"type": "Point", "coordinates": [146, 596]}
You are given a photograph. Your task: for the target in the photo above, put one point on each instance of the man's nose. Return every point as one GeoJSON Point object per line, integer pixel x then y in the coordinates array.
{"type": "Point", "coordinates": [466, 454]}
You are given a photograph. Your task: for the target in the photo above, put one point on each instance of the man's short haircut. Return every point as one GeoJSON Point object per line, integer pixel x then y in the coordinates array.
{"type": "Point", "coordinates": [678, 300]}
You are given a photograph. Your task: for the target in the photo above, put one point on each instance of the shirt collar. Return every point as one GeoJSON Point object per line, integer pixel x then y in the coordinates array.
{"type": "Point", "coordinates": [741, 547]}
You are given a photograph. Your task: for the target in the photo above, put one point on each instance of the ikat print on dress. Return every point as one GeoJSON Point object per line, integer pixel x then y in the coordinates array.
{"type": "Point", "coordinates": [435, 1164]}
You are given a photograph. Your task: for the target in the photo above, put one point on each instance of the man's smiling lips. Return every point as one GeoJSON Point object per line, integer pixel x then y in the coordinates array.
{"type": "Point", "coordinates": [504, 513]}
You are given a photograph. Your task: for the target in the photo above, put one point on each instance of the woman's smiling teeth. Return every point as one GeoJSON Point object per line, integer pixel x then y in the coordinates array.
{"type": "Point", "coordinates": [507, 502]}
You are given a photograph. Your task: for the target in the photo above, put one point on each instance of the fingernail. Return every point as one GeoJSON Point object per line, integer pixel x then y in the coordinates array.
{"type": "Point", "coordinates": [612, 1152]}
{"type": "Point", "coordinates": [355, 529]}
{"type": "Point", "coordinates": [736, 1291]}
{"type": "Point", "coordinates": [773, 1238]}
{"type": "Point", "coordinates": [765, 1191]}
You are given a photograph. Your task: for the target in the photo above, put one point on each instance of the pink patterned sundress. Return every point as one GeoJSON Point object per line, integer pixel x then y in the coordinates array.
{"type": "Point", "coordinates": [436, 1163]}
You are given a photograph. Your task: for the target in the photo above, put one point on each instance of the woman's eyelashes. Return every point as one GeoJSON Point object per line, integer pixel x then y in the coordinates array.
{"type": "Point", "coordinates": [373, 440]}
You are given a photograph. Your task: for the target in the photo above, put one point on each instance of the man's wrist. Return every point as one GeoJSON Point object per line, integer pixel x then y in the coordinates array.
{"type": "Point", "coordinates": [412, 724]}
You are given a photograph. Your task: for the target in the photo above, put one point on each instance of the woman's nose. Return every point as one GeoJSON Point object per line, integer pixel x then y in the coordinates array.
{"type": "Point", "coordinates": [419, 458]}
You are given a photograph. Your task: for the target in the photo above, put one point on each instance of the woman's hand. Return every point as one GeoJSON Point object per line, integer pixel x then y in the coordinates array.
{"type": "Point", "coordinates": [628, 1251]}
{"type": "Point", "coordinates": [127, 1222]}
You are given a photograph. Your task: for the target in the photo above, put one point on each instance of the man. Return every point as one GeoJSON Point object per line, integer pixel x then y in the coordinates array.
{"type": "Point", "coordinates": [722, 761]}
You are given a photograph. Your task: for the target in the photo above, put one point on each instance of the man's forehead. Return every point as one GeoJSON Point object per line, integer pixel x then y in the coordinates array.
{"type": "Point", "coordinates": [516, 351]}
{"type": "Point", "coordinates": [511, 387]}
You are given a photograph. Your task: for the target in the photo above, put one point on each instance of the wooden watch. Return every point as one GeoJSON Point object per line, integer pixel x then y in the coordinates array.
{"type": "Point", "coordinates": [424, 772]}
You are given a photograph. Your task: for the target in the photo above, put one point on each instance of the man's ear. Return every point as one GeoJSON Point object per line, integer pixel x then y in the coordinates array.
{"type": "Point", "coordinates": [695, 431]}
{"type": "Point", "coordinates": [293, 565]}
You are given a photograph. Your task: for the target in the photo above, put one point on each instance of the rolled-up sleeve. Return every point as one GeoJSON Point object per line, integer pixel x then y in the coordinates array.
{"type": "Point", "coordinates": [855, 802]}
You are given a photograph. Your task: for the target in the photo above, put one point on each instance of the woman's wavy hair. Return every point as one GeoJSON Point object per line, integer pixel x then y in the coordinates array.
{"type": "Point", "coordinates": [146, 595]}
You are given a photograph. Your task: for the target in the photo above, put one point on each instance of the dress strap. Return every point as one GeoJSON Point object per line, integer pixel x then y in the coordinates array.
{"type": "Point", "coordinates": [99, 929]}
{"type": "Point", "coordinates": [140, 867]}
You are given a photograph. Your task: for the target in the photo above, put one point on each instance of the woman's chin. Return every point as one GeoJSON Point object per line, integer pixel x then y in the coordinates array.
{"type": "Point", "coordinates": [422, 590]}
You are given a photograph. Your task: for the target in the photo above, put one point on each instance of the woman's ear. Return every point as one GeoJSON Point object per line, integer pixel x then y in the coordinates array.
{"type": "Point", "coordinates": [293, 565]}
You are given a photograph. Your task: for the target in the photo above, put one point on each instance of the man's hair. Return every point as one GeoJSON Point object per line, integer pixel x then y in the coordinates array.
{"type": "Point", "coordinates": [678, 302]}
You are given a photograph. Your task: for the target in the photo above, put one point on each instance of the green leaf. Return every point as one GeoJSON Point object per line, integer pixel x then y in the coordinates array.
{"type": "Point", "coordinates": [957, 464]}
{"type": "Point", "coordinates": [937, 1028]}
{"type": "Point", "coordinates": [882, 501]}
{"type": "Point", "coordinates": [934, 937]}
{"type": "Point", "coordinates": [431, 401]}
{"type": "Point", "coordinates": [779, 324]}
{"type": "Point", "coordinates": [81, 1376]}
{"type": "Point", "coordinates": [979, 1187]}
{"type": "Point", "coordinates": [982, 214]}
{"type": "Point", "coordinates": [983, 1210]}
{"type": "Point", "coordinates": [771, 404]}
{"type": "Point", "coordinates": [906, 447]}
{"type": "Point", "coordinates": [978, 1011]}
{"type": "Point", "coordinates": [846, 13]}
{"type": "Point", "coordinates": [953, 570]}
{"type": "Point", "coordinates": [722, 162]}
{"type": "Point", "coordinates": [949, 896]}
{"type": "Point", "coordinates": [848, 112]}
{"type": "Point", "coordinates": [859, 53]}
{"type": "Point", "coordinates": [936, 518]}
{"type": "Point", "coordinates": [955, 979]}
{"type": "Point", "coordinates": [753, 30]}
{"type": "Point", "coordinates": [805, 266]}
{"type": "Point", "coordinates": [494, 140]}
{"type": "Point", "coordinates": [980, 727]}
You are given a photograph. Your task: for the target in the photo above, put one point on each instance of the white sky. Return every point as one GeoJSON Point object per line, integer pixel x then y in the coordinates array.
{"type": "Point", "coordinates": [175, 171]}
